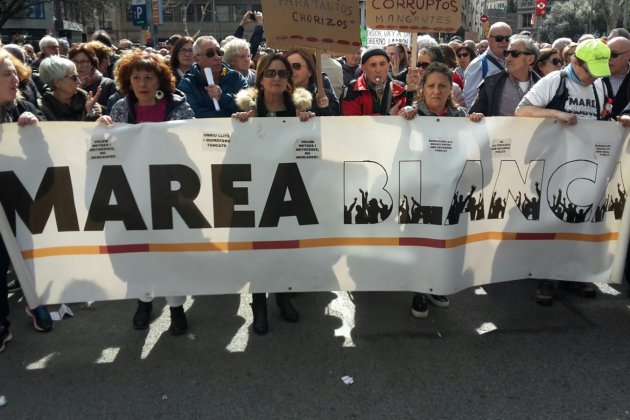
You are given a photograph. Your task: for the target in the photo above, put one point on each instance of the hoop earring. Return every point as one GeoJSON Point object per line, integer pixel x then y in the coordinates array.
{"type": "Point", "coordinates": [159, 94]}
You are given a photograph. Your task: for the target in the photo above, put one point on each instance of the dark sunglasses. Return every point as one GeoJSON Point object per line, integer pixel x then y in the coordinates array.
{"type": "Point", "coordinates": [616, 54]}
{"type": "Point", "coordinates": [423, 65]}
{"type": "Point", "coordinates": [556, 62]}
{"type": "Point", "coordinates": [462, 55]}
{"type": "Point", "coordinates": [501, 38]}
{"type": "Point", "coordinates": [210, 53]}
{"type": "Point", "coordinates": [296, 66]}
{"type": "Point", "coordinates": [515, 53]}
{"type": "Point", "coordinates": [74, 77]}
{"type": "Point", "coordinates": [270, 74]}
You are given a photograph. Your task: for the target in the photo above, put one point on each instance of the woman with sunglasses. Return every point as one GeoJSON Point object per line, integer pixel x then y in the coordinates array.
{"type": "Point", "coordinates": [182, 57]}
{"type": "Point", "coordinates": [304, 76]}
{"type": "Point", "coordinates": [465, 54]}
{"type": "Point", "coordinates": [436, 100]}
{"type": "Point", "coordinates": [426, 56]}
{"type": "Point", "coordinates": [274, 95]}
{"type": "Point", "coordinates": [549, 60]}
{"type": "Point", "coordinates": [148, 87]}
{"type": "Point", "coordinates": [90, 77]}
{"type": "Point", "coordinates": [66, 102]}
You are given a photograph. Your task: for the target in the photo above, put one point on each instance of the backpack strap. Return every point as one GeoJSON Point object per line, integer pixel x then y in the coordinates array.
{"type": "Point", "coordinates": [560, 98]}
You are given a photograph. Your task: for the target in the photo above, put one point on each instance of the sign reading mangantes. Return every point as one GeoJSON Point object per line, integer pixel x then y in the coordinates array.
{"type": "Point", "coordinates": [414, 15]}
{"type": "Point", "coordinates": [327, 25]}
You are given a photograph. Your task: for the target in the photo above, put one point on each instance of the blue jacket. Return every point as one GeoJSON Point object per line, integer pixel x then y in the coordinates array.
{"type": "Point", "coordinates": [194, 83]}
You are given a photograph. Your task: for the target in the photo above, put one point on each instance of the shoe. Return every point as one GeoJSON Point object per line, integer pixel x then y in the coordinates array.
{"type": "Point", "coordinates": [259, 310]}
{"type": "Point", "coordinates": [439, 301]}
{"type": "Point", "coordinates": [544, 293]}
{"type": "Point", "coordinates": [5, 336]}
{"type": "Point", "coordinates": [41, 318]}
{"type": "Point", "coordinates": [142, 317]}
{"type": "Point", "coordinates": [419, 306]}
{"type": "Point", "coordinates": [585, 290]}
{"type": "Point", "coordinates": [13, 285]}
{"type": "Point", "coordinates": [179, 325]}
{"type": "Point", "coordinates": [283, 300]}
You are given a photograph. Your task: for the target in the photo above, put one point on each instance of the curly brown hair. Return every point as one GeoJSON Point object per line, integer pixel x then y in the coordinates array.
{"type": "Point", "coordinates": [85, 49]}
{"type": "Point", "coordinates": [140, 60]}
{"type": "Point", "coordinates": [101, 50]}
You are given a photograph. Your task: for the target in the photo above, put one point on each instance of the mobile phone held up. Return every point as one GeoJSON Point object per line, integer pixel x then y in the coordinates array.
{"type": "Point", "coordinates": [252, 16]}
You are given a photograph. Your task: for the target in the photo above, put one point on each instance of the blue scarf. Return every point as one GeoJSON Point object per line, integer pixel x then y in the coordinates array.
{"type": "Point", "coordinates": [570, 72]}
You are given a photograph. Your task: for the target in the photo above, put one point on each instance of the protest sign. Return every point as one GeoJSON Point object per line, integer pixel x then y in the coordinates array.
{"type": "Point", "coordinates": [414, 15]}
{"type": "Point", "coordinates": [382, 38]}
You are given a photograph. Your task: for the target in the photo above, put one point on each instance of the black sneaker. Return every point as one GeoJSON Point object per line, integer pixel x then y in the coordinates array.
{"type": "Point", "coordinates": [5, 337]}
{"type": "Point", "coordinates": [179, 325]}
{"type": "Point", "coordinates": [142, 317]}
{"type": "Point", "coordinates": [420, 306]}
{"type": "Point", "coordinates": [439, 301]}
{"type": "Point", "coordinates": [42, 321]}
{"type": "Point", "coordinates": [544, 293]}
{"type": "Point", "coordinates": [13, 285]}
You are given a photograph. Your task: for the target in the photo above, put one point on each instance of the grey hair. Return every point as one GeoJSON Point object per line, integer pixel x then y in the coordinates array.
{"type": "Point", "coordinates": [528, 42]}
{"type": "Point", "coordinates": [47, 41]}
{"type": "Point", "coordinates": [55, 68]}
{"type": "Point", "coordinates": [200, 40]}
{"type": "Point", "coordinates": [233, 48]}
{"type": "Point", "coordinates": [426, 41]}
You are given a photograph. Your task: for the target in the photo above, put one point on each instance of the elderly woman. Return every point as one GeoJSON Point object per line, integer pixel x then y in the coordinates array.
{"type": "Point", "coordinates": [236, 55]}
{"type": "Point", "coordinates": [305, 76]}
{"type": "Point", "coordinates": [66, 102]}
{"type": "Point", "coordinates": [15, 109]}
{"type": "Point", "coordinates": [436, 100]}
{"type": "Point", "coordinates": [548, 61]}
{"type": "Point", "coordinates": [148, 87]}
{"type": "Point", "coordinates": [273, 95]}
{"type": "Point", "coordinates": [103, 54]}
{"type": "Point", "coordinates": [465, 54]}
{"type": "Point", "coordinates": [28, 89]}
{"type": "Point", "coordinates": [90, 78]}
{"type": "Point", "coordinates": [182, 57]}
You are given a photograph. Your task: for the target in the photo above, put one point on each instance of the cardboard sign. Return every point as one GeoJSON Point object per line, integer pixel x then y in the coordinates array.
{"type": "Point", "coordinates": [415, 15]}
{"type": "Point", "coordinates": [383, 38]}
{"type": "Point", "coordinates": [328, 25]}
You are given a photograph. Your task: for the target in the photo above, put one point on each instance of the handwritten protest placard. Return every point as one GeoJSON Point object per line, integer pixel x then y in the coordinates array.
{"type": "Point", "coordinates": [326, 25]}
{"type": "Point", "coordinates": [415, 15]}
{"type": "Point", "coordinates": [381, 38]}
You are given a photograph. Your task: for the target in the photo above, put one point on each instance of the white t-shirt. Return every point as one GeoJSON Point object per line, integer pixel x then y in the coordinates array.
{"type": "Point", "coordinates": [580, 101]}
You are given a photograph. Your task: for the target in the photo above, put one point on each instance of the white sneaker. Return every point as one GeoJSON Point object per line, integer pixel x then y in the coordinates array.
{"type": "Point", "coordinates": [439, 301]}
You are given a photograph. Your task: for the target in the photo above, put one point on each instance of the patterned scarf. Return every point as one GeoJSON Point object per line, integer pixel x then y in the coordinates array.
{"type": "Point", "coordinates": [6, 111]}
{"type": "Point", "coordinates": [90, 78]}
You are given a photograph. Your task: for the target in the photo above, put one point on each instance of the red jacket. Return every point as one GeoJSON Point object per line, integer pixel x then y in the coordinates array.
{"type": "Point", "coordinates": [359, 100]}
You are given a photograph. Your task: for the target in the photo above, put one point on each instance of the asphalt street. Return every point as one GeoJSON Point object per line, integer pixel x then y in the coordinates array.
{"type": "Point", "coordinates": [494, 354]}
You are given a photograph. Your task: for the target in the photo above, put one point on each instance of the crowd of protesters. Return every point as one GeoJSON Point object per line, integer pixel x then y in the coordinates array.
{"type": "Point", "coordinates": [503, 75]}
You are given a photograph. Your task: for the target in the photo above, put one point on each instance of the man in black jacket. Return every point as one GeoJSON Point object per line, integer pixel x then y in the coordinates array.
{"type": "Point", "coordinates": [500, 93]}
{"type": "Point", "coordinates": [619, 80]}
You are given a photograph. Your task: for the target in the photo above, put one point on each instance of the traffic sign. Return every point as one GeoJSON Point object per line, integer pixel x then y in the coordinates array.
{"type": "Point", "coordinates": [483, 18]}
{"type": "Point", "coordinates": [139, 14]}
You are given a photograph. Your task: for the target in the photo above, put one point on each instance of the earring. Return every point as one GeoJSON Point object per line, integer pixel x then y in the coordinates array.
{"type": "Point", "coordinates": [159, 94]}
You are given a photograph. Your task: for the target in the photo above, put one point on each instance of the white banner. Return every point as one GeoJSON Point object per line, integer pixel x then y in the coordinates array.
{"type": "Point", "coordinates": [362, 203]}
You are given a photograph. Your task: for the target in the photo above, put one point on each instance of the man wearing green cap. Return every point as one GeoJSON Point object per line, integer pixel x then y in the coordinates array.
{"type": "Point", "coordinates": [575, 92]}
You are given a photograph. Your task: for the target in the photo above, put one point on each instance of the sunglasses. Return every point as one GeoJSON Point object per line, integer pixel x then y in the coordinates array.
{"type": "Point", "coordinates": [616, 54]}
{"type": "Point", "coordinates": [462, 55]}
{"type": "Point", "coordinates": [270, 74]}
{"type": "Point", "coordinates": [423, 65]}
{"type": "Point", "coordinates": [556, 62]}
{"type": "Point", "coordinates": [501, 38]}
{"type": "Point", "coordinates": [210, 53]}
{"type": "Point", "coordinates": [74, 77]}
{"type": "Point", "coordinates": [515, 53]}
{"type": "Point", "coordinates": [296, 66]}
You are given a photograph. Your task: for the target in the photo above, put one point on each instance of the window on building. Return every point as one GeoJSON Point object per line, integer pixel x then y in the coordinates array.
{"type": "Point", "coordinates": [239, 11]}
{"type": "Point", "coordinates": [168, 14]}
{"type": "Point", "coordinates": [223, 13]}
{"type": "Point", "coordinates": [526, 20]}
{"type": "Point", "coordinates": [189, 12]}
{"type": "Point", "coordinates": [36, 11]}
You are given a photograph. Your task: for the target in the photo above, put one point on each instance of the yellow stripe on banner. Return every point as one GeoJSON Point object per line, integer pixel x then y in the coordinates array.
{"type": "Point", "coordinates": [202, 247]}
{"type": "Point", "coordinates": [612, 236]}
{"type": "Point", "coordinates": [480, 237]}
{"type": "Point", "coordinates": [61, 250]}
{"type": "Point", "coordinates": [329, 242]}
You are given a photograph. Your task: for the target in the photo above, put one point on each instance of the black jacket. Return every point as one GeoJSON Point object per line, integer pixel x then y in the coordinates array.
{"type": "Point", "coordinates": [488, 100]}
{"type": "Point", "coordinates": [622, 98]}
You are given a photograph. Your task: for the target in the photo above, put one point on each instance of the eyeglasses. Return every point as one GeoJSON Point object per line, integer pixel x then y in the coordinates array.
{"type": "Point", "coordinates": [270, 74]}
{"type": "Point", "coordinates": [556, 62]}
{"type": "Point", "coordinates": [81, 62]}
{"type": "Point", "coordinates": [616, 54]}
{"type": "Point", "coordinates": [74, 77]}
{"type": "Point", "coordinates": [296, 66]}
{"type": "Point", "coordinates": [515, 53]}
{"type": "Point", "coordinates": [462, 55]}
{"type": "Point", "coordinates": [210, 53]}
{"type": "Point", "coordinates": [423, 65]}
{"type": "Point", "coordinates": [500, 38]}
{"type": "Point", "coordinates": [189, 51]}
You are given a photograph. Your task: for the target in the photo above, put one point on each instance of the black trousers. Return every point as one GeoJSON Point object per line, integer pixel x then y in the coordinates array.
{"type": "Point", "coordinates": [4, 293]}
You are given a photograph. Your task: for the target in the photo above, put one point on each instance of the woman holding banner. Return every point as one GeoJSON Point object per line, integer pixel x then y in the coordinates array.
{"type": "Point", "coordinates": [436, 100]}
{"type": "Point", "coordinates": [304, 76]}
{"type": "Point", "coordinates": [13, 108]}
{"type": "Point", "coordinates": [149, 95]}
{"type": "Point", "coordinates": [274, 95]}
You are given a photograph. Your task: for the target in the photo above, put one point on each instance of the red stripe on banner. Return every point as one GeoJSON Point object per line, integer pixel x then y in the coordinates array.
{"type": "Point", "coordinates": [124, 249]}
{"type": "Point", "coordinates": [535, 236]}
{"type": "Point", "coordinates": [427, 242]}
{"type": "Point", "coordinates": [276, 244]}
